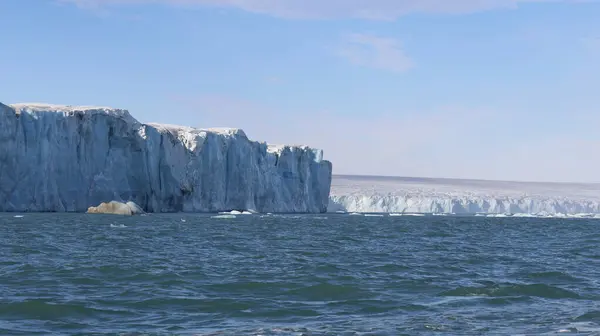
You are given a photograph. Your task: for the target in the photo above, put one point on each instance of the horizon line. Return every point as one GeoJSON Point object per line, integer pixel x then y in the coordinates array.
{"type": "Point", "coordinates": [463, 179]}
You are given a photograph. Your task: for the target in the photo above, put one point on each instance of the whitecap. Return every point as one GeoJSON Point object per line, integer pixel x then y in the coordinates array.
{"type": "Point", "coordinates": [525, 215]}
{"type": "Point", "coordinates": [224, 217]}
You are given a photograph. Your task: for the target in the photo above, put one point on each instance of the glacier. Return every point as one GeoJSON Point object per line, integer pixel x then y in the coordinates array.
{"type": "Point", "coordinates": [56, 158]}
{"type": "Point", "coordinates": [376, 194]}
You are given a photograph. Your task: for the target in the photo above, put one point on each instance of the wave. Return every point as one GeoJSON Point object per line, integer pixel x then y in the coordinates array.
{"type": "Point", "coordinates": [490, 215]}
{"type": "Point", "coordinates": [514, 290]}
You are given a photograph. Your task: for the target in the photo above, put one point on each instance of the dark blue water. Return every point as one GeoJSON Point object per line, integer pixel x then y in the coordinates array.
{"type": "Point", "coordinates": [73, 274]}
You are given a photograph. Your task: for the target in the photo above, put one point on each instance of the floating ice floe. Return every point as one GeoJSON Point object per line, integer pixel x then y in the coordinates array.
{"type": "Point", "coordinates": [116, 208]}
{"type": "Point", "coordinates": [236, 212]}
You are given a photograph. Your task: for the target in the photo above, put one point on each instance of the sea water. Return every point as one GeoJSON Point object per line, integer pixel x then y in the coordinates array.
{"type": "Point", "coordinates": [334, 274]}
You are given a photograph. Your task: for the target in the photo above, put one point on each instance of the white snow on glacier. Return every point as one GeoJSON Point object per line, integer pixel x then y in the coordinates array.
{"type": "Point", "coordinates": [372, 194]}
{"type": "Point", "coordinates": [67, 158]}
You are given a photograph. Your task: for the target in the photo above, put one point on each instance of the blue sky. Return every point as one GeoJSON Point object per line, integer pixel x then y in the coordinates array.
{"type": "Point", "coordinates": [497, 89]}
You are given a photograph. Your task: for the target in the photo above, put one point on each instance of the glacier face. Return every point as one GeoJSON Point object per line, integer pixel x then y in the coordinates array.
{"type": "Point", "coordinates": [426, 195]}
{"type": "Point", "coordinates": [61, 158]}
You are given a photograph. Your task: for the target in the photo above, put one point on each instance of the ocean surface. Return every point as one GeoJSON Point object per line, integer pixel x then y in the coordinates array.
{"type": "Point", "coordinates": [334, 274]}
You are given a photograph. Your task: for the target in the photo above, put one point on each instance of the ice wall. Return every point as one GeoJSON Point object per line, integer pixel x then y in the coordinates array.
{"type": "Point", "coordinates": [413, 195]}
{"type": "Point", "coordinates": [61, 158]}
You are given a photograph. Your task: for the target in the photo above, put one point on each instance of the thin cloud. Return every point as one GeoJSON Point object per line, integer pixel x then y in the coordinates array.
{"type": "Point", "coordinates": [363, 9]}
{"type": "Point", "coordinates": [591, 43]}
{"type": "Point", "coordinates": [274, 80]}
{"type": "Point", "coordinates": [376, 52]}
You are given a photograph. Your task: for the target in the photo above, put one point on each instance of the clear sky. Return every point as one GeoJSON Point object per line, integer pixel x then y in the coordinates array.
{"type": "Point", "coordinates": [494, 89]}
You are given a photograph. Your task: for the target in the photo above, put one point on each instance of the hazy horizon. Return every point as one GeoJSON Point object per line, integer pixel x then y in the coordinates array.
{"type": "Point", "coordinates": [436, 178]}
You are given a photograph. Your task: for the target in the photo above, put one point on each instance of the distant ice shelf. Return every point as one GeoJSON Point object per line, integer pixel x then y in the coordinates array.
{"type": "Point", "coordinates": [372, 194]}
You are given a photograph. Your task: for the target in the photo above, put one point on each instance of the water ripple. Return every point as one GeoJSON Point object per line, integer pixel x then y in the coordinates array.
{"type": "Point", "coordinates": [72, 274]}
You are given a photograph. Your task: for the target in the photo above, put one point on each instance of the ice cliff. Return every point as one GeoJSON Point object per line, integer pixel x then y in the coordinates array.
{"type": "Point", "coordinates": [62, 158]}
{"type": "Point", "coordinates": [413, 195]}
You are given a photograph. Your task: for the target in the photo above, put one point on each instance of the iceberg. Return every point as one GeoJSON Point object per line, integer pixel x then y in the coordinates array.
{"type": "Point", "coordinates": [56, 158]}
{"type": "Point", "coordinates": [116, 208]}
{"type": "Point", "coordinates": [372, 194]}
